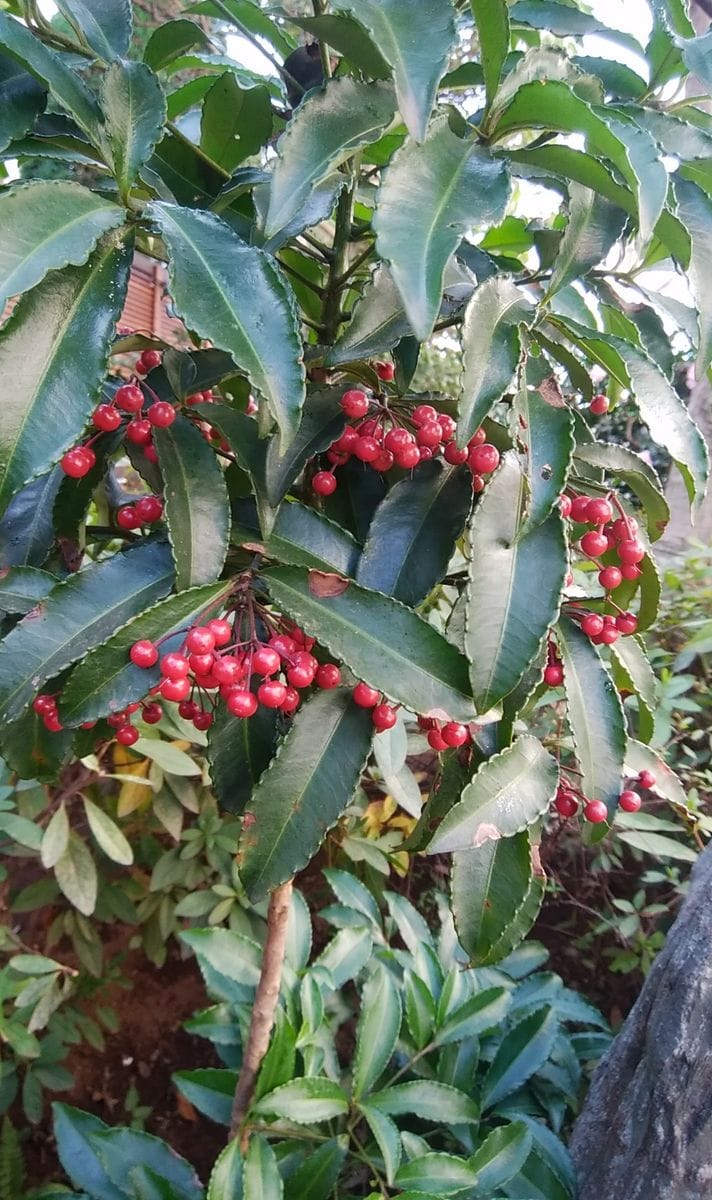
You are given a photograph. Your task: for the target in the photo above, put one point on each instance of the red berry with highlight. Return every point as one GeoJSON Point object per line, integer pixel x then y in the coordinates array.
{"type": "Point", "coordinates": [221, 630]}
{"type": "Point", "coordinates": [407, 457]}
{"type": "Point", "coordinates": [593, 544]}
{"type": "Point", "coordinates": [646, 779]}
{"type": "Point", "coordinates": [78, 462]}
{"type": "Point", "coordinates": [161, 413]}
{"type": "Point", "coordinates": [396, 439]}
{"type": "Point", "coordinates": [227, 669]}
{"type": "Point", "coordinates": [366, 448]}
{"type": "Point", "coordinates": [599, 405]}
{"type": "Point", "coordinates": [598, 511]}
{"type": "Point", "coordinates": [149, 509]}
{"type": "Point", "coordinates": [265, 661]}
{"type": "Point", "coordinates": [242, 703]}
{"type": "Point", "coordinates": [328, 676]}
{"type": "Point", "coordinates": [610, 578]}
{"type": "Point", "coordinates": [139, 431]}
{"type": "Point", "coordinates": [424, 413]}
{"type": "Point", "coordinates": [595, 811]}
{"type": "Point", "coordinates": [631, 551]}
{"type": "Point", "coordinates": [271, 693]}
{"type": "Point", "coordinates": [365, 696]}
{"type": "Point", "coordinates": [629, 801]}
{"type": "Point", "coordinates": [200, 640]}
{"type": "Point", "coordinates": [203, 720]}
{"type": "Point", "coordinates": [143, 653]}
{"type": "Point", "coordinates": [554, 674]}
{"type": "Point", "coordinates": [128, 518]}
{"type": "Point", "coordinates": [384, 716]}
{"type": "Point", "coordinates": [630, 571]}
{"type": "Point", "coordinates": [174, 665]}
{"type": "Point", "coordinates": [130, 398]}
{"type": "Point", "coordinates": [566, 804]}
{"type": "Point", "coordinates": [592, 624]}
{"type": "Point", "coordinates": [385, 371]}
{"type": "Point", "coordinates": [106, 417]}
{"type": "Point", "coordinates": [436, 741]}
{"type": "Point", "coordinates": [627, 623]}
{"type": "Point", "coordinates": [354, 404]}
{"type": "Point", "coordinates": [152, 713]}
{"type": "Point", "coordinates": [127, 735]}
{"type": "Point", "coordinates": [483, 459]}
{"type": "Point", "coordinates": [151, 359]}
{"type": "Point", "coordinates": [175, 689]}
{"type": "Point", "coordinates": [324, 483]}
{"type": "Point", "coordinates": [453, 455]}
{"type": "Point", "coordinates": [565, 505]}
{"type": "Point", "coordinates": [455, 734]}
{"type": "Point", "coordinates": [579, 508]}
{"type": "Point", "coordinates": [291, 701]}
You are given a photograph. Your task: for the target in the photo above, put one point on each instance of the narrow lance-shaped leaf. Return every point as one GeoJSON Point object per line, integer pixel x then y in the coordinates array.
{"type": "Point", "coordinates": [106, 680]}
{"type": "Point", "coordinates": [415, 37]}
{"type": "Point", "coordinates": [594, 225]}
{"type": "Point", "coordinates": [694, 209]}
{"type": "Point", "coordinates": [506, 794]}
{"type": "Point", "coordinates": [239, 752]}
{"type": "Point", "coordinates": [21, 588]}
{"type": "Point", "coordinates": [412, 536]}
{"type": "Point", "coordinates": [641, 478]}
{"type": "Point", "coordinates": [45, 225]}
{"type": "Point", "coordinates": [514, 586]}
{"type": "Point", "coordinates": [595, 716]}
{"type": "Point", "coordinates": [317, 1176]}
{"type": "Point", "coordinates": [54, 387]}
{"type": "Point", "coordinates": [487, 888]}
{"type": "Point", "coordinates": [545, 428]}
{"type": "Point", "coordinates": [305, 790]}
{"type": "Point", "coordinates": [301, 536]}
{"type": "Point", "coordinates": [648, 169]}
{"type": "Point", "coordinates": [501, 1155]}
{"type": "Point", "coordinates": [305, 1100]}
{"type": "Point", "coordinates": [171, 40]}
{"type": "Point", "coordinates": [107, 834]}
{"type": "Point", "coordinates": [197, 509]}
{"type": "Point", "coordinates": [348, 38]}
{"type": "Point", "coordinates": [233, 294]}
{"type": "Point", "coordinates": [378, 1027]}
{"type": "Point", "coordinates": [134, 112]}
{"type": "Point", "coordinates": [382, 641]}
{"type": "Point", "coordinates": [493, 30]}
{"type": "Point", "coordinates": [324, 131]}
{"type": "Point", "coordinates": [22, 99]}
{"type": "Point", "coordinates": [387, 1138]}
{"type": "Point", "coordinates": [75, 873]}
{"type": "Point", "coordinates": [430, 197]}
{"type": "Point", "coordinates": [78, 615]}
{"type": "Point", "coordinates": [377, 323]}
{"type": "Point", "coordinates": [104, 24]}
{"type": "Point", "coordinates": [490, 350]}
{"type": "Point", "coordinates": [523, 1050]}
{"type": "Point", "coordinates": [427, 1099]}
{"type": "Point", "coordinates": [26, 527]}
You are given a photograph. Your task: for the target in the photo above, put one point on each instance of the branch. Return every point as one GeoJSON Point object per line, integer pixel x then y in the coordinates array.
{"type": "Point", "coordinates": [264, 1007]}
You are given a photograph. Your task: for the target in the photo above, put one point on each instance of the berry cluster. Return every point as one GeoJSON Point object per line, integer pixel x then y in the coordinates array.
{"type": "Point", "coordinates": [388, 434]}
{"type": "Point", "coordinates": [568, 800]}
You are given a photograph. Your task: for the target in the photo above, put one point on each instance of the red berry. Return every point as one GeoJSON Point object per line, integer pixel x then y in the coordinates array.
{"type": "Point", "coordinates": [646, 779]}
{"type": "Point", "coordinates": [143, 654]}
{"type": "Point", "coordinates": [579, 508]}
{"type": "Point", "coordinates": [200, 640]}
{"type": "Point", "coordinates": [127, 735]}
{"type": "Point", "coordinates": [593, 544]}
{"type": "Point", "coordinates": [44, 704]}
{"type": "Point", "coordinates": [424, 413]}
{"type": "Point", "coordinates": [328, 676]}
{"type": "Point", "coordinates": [202, 719]}
{"type": "Point", "coordinates": [566, 804]}
{"type": "Point", "coordinates": [139, 431]}
{"type": "Point", "coordinates": [384, 716]}
{"type": "Point", "coordinates": [347, 441]}
{"type": "Point", "coordinates": [151, 454]}
{"type": "Point", "coordinates": [608, 635]}
{"type": "Point", "coordinates": [627, 623]}
{"type": "Point", "coordinates": [385, 371]}
{"type": "Point", "coordinates": [624, 529]}
{"type": "Point", "coordinates": [478, 484]}
{"type": "Point", "coordinates": [174, 665]}
{"type": "Point", "coordinates": [130, 398]}
{"type": "Point", "coordinates": [150, 359]}
{"type": "Point", "coordinates": [106, 417]}
{"type": "Point", "coordinates": [630, 571]}
{"type": "Point", "coordinates": [337, 458]}
{"type": "Point", "coordinates": [152, 713]}
{"type": "Point", "coordinates": [265, 661]}
{"type": "Point", "coordinates": [599, 405]}
{"type": "Point", "coordinates": [609, 578]}
{"type": "Point", "coordinates": [175, 689]}
{"type": "Point", "coordinates": [430, 434]}
{"type": "Point", "coordinates": [454, 455]}
{"type": "Point", "coordinates": [355, 404]}
{"type": "Point", "coordinates": [201, 664]}
{"type": "Point", "coordinates": [598, 511]}
{"type": "Point", "coordinates": [554, 674]}
{"type": "Point", "coordinates": [78, 462]}
{"type": "Point", "coordinates": [227, 669]}
{"type": "Point", "coordinates": [483, 459]}
{"type": "Point", "coordinates": [291, 700]}
{"type": "Point", "coordinates": [324, 483]}
{"type": "Point", "coordinates": [128, 518]}
{"type": "Point", "coordinates": [427, 723]}
{"type": "Point", "coordinates": [371, 428]}
{"type": "Point", "coordinates": [629, 801]}
{"type": "Point", "coordinates": [365, 696]}
{"type": "Point", "coordinates": [425, 453]}
{"type": "Point", "coordinates": [595, 811]}
{"type": "Point", "coordinates": [300, 677]}
{"type": "Point", "coordinates": [384, 462]}
{"type": "Point", "coordinates": [408, 457]}
{"type": "Point", "coordinates": [161, 413]}
{"type": "Point", "coordinates": [454, 734]}
{"type": "Point", "coordinates": [149, 508]}
{"type": "Point", "coordinates": [52, 722]}
{"type": "Point", "coordinates": [242, 703]}
{"type": "Point", "coordinates": [285, 645]}
{"type": "Point", "coordinates": [447, 426]}
{"type": "Point", "coordinates": [271, 693]}
{"type": "Point", "coordinates": [366, 448]}
{"type": "Point", "coordinates": [221, 630]}
{"type": "Point", "coordinates": [630, 551]}
{"type": "Point", "coordinates": [396, 439]}
{"type": "Point", "coordinates": [477, 439]}
{"type": "Point", "coordinates": [565, 505]}
{"type": "Point", "coordinates": [592, 624]}
{"type": "Point", "coordinates": [436, 741]}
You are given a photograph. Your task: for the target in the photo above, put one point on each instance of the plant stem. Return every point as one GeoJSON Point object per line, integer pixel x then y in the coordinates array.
{"type": "Point", "coordinates": [264, 1006]}
{"type": "Point", "coordinates": [178, 133]}
{"type": "Point", "coordinates": [331, 316]}
{"type": "Point", "coordinates": [354, 265]}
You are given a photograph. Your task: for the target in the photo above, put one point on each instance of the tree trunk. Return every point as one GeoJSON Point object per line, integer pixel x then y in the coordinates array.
{"type": "Point", "coordinates": [645, 1132]}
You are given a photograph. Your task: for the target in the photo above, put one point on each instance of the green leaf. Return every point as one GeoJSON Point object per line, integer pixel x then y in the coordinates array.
{"type": "Point", "coordinates": [322, 422]}
{"type": "Point", "coordinates": [65, 84]}
{"type": "Point", "coordinates": [658, 845]}
{"type": "Point", "coordinates": [106, 681]}
{"type": "Point", "coordinates": [75, 1133]}
{"type": "Point", "coordinates": [481, 1013]}
{"type": "Point", "coordinates": [210, 1089]}
{"type": "Point", "coordinates": [22, 99]}
{"type": "Point", "coordinates": [233, 294]}
{"type": "Point", "coordinates": [487, 888]}
{"type": "Point", "coordinates": [78, 615]}
{"type": "Point", "coordinates": [354, 894]}
{"type": "Point", "coordinates": [26, 527]}
{"type": "Point", "coordinates": [325, 130]}
{"type": "Point", "coordinates": [346, 955]}
{"type": "Point", "coordinates": [428, 1100]}
{"type": "Point", "coordinates": [107, 834]}
{"type": "Point", "coordinates": [697, 56]}
{"type": "Point", "coordinates": [593, 227]}
{"type": "Point", "coordinates": [506, 794]}
{"type": "Point", "coordinates": [415, 37]}
{"type": "Point", "coordinates": [196, 503]}
{"type": "Point", "coordinates": [54, 387]}
{"type": "Point", "coordinates": [641, 478]}
{"type": "Point", "coordinates": [278, 1064]}
{"type": "Point", "coordinates": [169, 41]}
{"type": "Point", "coordinates": [301, 536]}
{"type": "Point", "coordinates": [435, 1175]}
{"type": "Point", "coordinates": [134, 110]}
{"type": "Point", "coordinates": [638, 675]}
{"type": "Point", "coordinates": [431, 196]}
{"type": "Point", "coordinates": [522, 1051]}
{"type": "Point", "coordinates": [75, 873]}
{"type": "Point", "coordinates": [545, 430]}
{"type": "Point", "coordinates": [413, 534]}
{"type": "Point", "coordinates": [377, 323]}
{"type": "Point", "coordinates": [261, 1177]}
{"type": "Point", "coordinates": [493, 30]}
{"type": "Point", "coordinates": [224, 951]}
{"type": "Point", "coordinates": [235, 121]}
{"type": "Point", "coordinates": [241, 432]}
{"type": "Point", "coordinates": [349, 39]}
{"type": "Point", "coordinates": [225, 1181]}
{"type": "Point", "coordinates": [317, 1176]}
{"type": "Point", "coordinates": [387, 1138]}
{"type": "Point", "coordinates": [501, 1155]}
{"type": "Point", "coordinates": [490, 350]}
{"type": "Point", "coordinates": [158, 1161]}
{"type": "Point", "coordinates": [305, 790]}
{"type": "Point", "coordinates": [55, 838]}
{"type": "Point", "coordinates": [305, 1101]}
{"type": "Point", "coordinates": [22, 588]}
{"type": "Point", "coordinates": [377, 1031]}
{"type": "Point", "coordinates": [382, 642]}
{"type": "Point", "coordinates": [641, 758]}
{"type": "Point", "coordinates": [595, 716]}
{"type": "Point", "coordinates": [419, 1009]}
{"type": "Point", "coordinates": [694, 209]}
{"type": "Point", "coordinates": [239, 752]}
{"type": "Point", "coordinates": [169, 758]}
{"type": "Point", "coordinates": [33, 752]}
{"type": "Point", "coordinates": [514, 586]}
{"type": "Point", "coordinates": [104, 25]}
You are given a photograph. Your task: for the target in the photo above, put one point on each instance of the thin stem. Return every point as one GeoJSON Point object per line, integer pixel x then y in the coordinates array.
{"type": "Point", "coordinates": [323, 48]}
{"type": "Point", "coordinates": [331, 315]}
{"type": "Point", "coordinates": [264, 1007]}
{"type": "Point", "coordinates": [315, 287]}
{"type": "Point", "coordinates": [178, 133]}
{"type": "Point", "coordinates": [325, 251]}
{"type": "Point", "coordinates": [250, 37]}
{"type": "Point", "coordinates": [354, 266]}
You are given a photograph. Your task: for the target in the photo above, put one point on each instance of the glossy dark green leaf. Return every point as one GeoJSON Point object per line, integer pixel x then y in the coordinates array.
{"type": "Point", "coordinates": [429, 1100]}
{"type": "Point", "coordinates": [106, 680]}
{"type": "Point", "coordinates": [48, 224]}
{"type": "Point", "coordinates": [54, 388]}
{"type": "Point", "coordinates": [413, 534]}
{"type": "Point", "coordinates": [245, 14]}
{"type": "Point", "coordinates": [501, 1155]}
{"type": "Point", "coordinates": [179, 167]}
{"type": "Point", "coordinates": [78, 615]}
{"type": "Point", "coordinates": [415, 37]}
{"type": "Point", "coordinates": [514, 586]}
{"type": "Point", "coordinates": [647, 167]}
{"type": "Point", "coordinates": [104, 25]}
{"type": "Point", "coordinates": [617, 78]}
{"type": "Point", "coordinates": [632, 670]}
{"type": "Point", "coordinates": [26, 527]}
{"type": "Point", "coordinates": [490, 350]}
{"type": "Point", "coordinates": [378, 321]}
{"type": "Point", "coordinates": [694, 208]}
{"type": "Point", "coordinates": [522, 1051]}
{"type": "Point", "coordinates": [322, 422]}
{"type": "Point", "coordinates": [377, 1031]}
{"type": "Point", "coordinates": [697, 56]}
{"type": "Point", "coordinates": [387, 1138]}
{"type": "Point", "coordinates": [235, 121]}
{"type": "Point", "coordinates": [622, 463]}
{"type": "Point", "coordinates": [317, 1176]}
{"type": "Point", "coordinates": [22, 99]}
{"type": "Point", "coordinates": [196, 505]}
{"type": "Point", "coordinates": [75, 1132]}
{"type": "Point", "coordinates": [324, 131]}
{"type": "Point", "coordinates": [349, 39]}
{"type": "Point", "coordinates": [171, 40]}
{"type": "Point", "coordinates": [134, 111]}
{"type": "Point", "coordinates": [301, 537]}
{"type": "Point", "coordinates": [241, 432]}
{"type": "Point", "coordinates": [430, 197]}
{"type": "Point", "coordinates": [22, 588]}
{"type": "Point", "coordinates": [51, 69]}
{"type": "Point", "coordinates": [595, 716]}
{"type": "Point", "coordinates": [493, 29]}
{"type": "Point", "coordinates": [356, 499]}
{"type": "Point", "coordinates": [233, 294]}
{"type": "Point", "coordinates": [382, 641]}
{"type": "Point", "coordinates": [593, 227]}
{"type": "Point", "coordinates": [305, 789]}
{"type": "Point", "coordinates": [29, 748]}
{"type": "Point", "coordinates": [209, 1089]}
{"type": "Point", "coordinates": [545, 429]}
{"type": "Point", "coordinates": [488, 886]}
{"type": "Point", "coordinates": [506, 794]}
{"type": "Point", "coordinates": [434, 1174]}
{"type": "Point", "coordinates": [564, 20]}
{"type": "Point", "coordinates": [239, 752]}
{"type": "Point", "coordinates": [305, 1101]}
{"type": "Point", "coordinates": [225, 1181]}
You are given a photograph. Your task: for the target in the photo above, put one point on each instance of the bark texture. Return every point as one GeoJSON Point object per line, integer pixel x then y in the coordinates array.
{"type": "Point", "coordinates": [645, 1132]}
